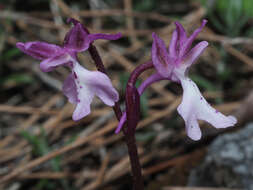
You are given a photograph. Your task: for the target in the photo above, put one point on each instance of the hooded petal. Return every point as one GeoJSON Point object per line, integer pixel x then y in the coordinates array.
{"type": "Point", "coordinates": [39, 50]}
{"type": "Point", "coordinates": [76, 38]}
{"type": "Point", "coordinates": [182, 37]}
{"type": "Point", "coordinates": [73, 21]}
{"type": "Point", "coordinates": [195, 53]}
{"type": "Point", "coordinates": [187, 44]}
{"type": "Point", "coordinates": [51, 63]}
{"type": "Point", "coordinates": [173, 48]}
{"type": "Point", "coordinates": [98, 83]}
{"type": "Point", "coordinates": [161, 60]}
{"type": "Point", "coordinates": [194, 107]}
{"type": "Point", "coordinates": [79, 39]}
{"type": "Point", "coordinates": [70, 90]}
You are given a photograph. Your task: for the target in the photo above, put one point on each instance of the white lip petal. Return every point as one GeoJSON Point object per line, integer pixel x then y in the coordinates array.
{"type": "Point", "coordinates": [90, 83]}
{"type": "Point", "coordinates": [83, 105]}
{"type": "Point", "coordinates": [69, 89]}
{"type": "Point", "coordinates": [84, 94]}
{"type": "Point", "coordinates": [98, 83]}
{"type": "Point", "coordinates": [194, 107]}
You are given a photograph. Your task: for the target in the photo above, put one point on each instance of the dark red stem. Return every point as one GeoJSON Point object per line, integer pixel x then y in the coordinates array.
{"type": "Point", "coordinates": [138, 70]}
{"type": "Point", "coordinates": [134, 160]}
{"type": "Point", "coordinates": [129, 134]}
{"type": "Point", "coordinates": [129, 137]}
{"type": "Point", "coordinates": [132, 111]}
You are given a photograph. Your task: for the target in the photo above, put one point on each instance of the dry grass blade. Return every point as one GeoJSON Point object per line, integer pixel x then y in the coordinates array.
{"type": "Point", "coordinates": [80, 142]}
{"type": "Point", "coordinates": [244, 58]}
{"type": "Point", "coordinates": [26, 110]}
{"type": "Point", "coordinates": [172, 162]}
{"type": "Point", "coordinates": [100, 177]}
{"type": "Point", "coordinates": [56, 175]}
{"type": "Point", "coordinates": [93, 139]}
{"type": "Point", "coordinates": [27, 123]}
{"type": "Point", "coordinates": [196, 188]}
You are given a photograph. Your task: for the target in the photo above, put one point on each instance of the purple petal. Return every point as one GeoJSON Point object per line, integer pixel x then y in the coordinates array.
{"type": "Point", "coordinates": [161, 60]}
{"type": "Point", "coordinates": [182, 37]}
{"type": "Point", "coordinates": [186, 46]}
{"type": "Point", "coordinates": [70, 90]}
{"type": "Point", "coordinates": [195, 52]}
{"type": "Point", "coordinates": [39, 50]}
{"type": "Point", "coordinates": [194, 107]}
{"type": "Point", "coordinates": [98, 83]}
{"type": "Point", "coordinates": [93, 37]}
{"type": "Point", "coordinates": [121, 123]}
{"type": "Point", "coordinates": [75, 22]}
{"type": "Point", "coordinates": [76, 39]}
{"type": "Point", "coordinates": [50, 64]}
{"type": "Point", "coordinates": [173, 49]}
{"type": "Point", "coordinates": [72, 20]}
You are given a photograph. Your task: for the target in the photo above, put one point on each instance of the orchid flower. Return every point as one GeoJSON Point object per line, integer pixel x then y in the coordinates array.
{"type": "Point", "coordinates": [173, 64]}
{"type": "Point", "coordinates": [81, 85]}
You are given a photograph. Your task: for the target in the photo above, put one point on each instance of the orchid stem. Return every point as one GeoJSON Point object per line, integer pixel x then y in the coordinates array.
{"type": "Point", "coordinates": [129, 135]}
{"type": "Point", "coordinates": [131, 127]}
{"type": "Point", "coordinates": [134, 160]}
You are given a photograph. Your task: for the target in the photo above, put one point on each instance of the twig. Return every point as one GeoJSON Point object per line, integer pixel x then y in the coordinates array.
{"type": "Point", "coordinates": [130, 21]}
{"type": "Point", "coordinates": [80, 142]}
{"type": "Point", "coordinates": [26, 110]}
{"type": "Point", "coordinates": [54, 7]}
{"type": "Point", "coordinates": [172, 162]}
{"type": "Point", "coordinates": [50, 81]}
{"type": "Point", "coordinates": [56, 175]}
{"type": "Point", "coordinates": [244, 58]}
{"type": "Point", "coordinates": [100, 177]}
{"type": "Point", "coordinates": [30, 120]}
{"type": "Point", "coordinates": [197, 188]}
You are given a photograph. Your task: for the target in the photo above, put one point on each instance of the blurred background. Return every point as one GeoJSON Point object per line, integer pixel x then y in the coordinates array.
{"type": "Point", "coordinates": [41, 148]}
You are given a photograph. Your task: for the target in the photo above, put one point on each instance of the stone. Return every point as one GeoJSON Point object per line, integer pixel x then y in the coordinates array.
{"type": "Point", "coordinates": [228, 163]}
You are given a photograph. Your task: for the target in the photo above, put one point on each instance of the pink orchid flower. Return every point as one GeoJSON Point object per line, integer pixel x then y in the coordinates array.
{"type": "Point", "coordinates": [173, 64]}
{"type": "Point", "coordinates": [81, 85]}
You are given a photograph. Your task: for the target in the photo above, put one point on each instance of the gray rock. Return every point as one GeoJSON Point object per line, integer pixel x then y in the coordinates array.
{"type": "Point", "coordinates": [229, 162]}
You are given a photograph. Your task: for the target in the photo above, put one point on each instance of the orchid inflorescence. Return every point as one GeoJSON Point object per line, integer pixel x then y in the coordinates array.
{"type": "Point", "coordinates": [170, 63]}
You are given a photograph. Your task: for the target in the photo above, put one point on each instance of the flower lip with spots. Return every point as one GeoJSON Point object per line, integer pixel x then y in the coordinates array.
{"type": "Point", "coordinates": [81, 85]}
